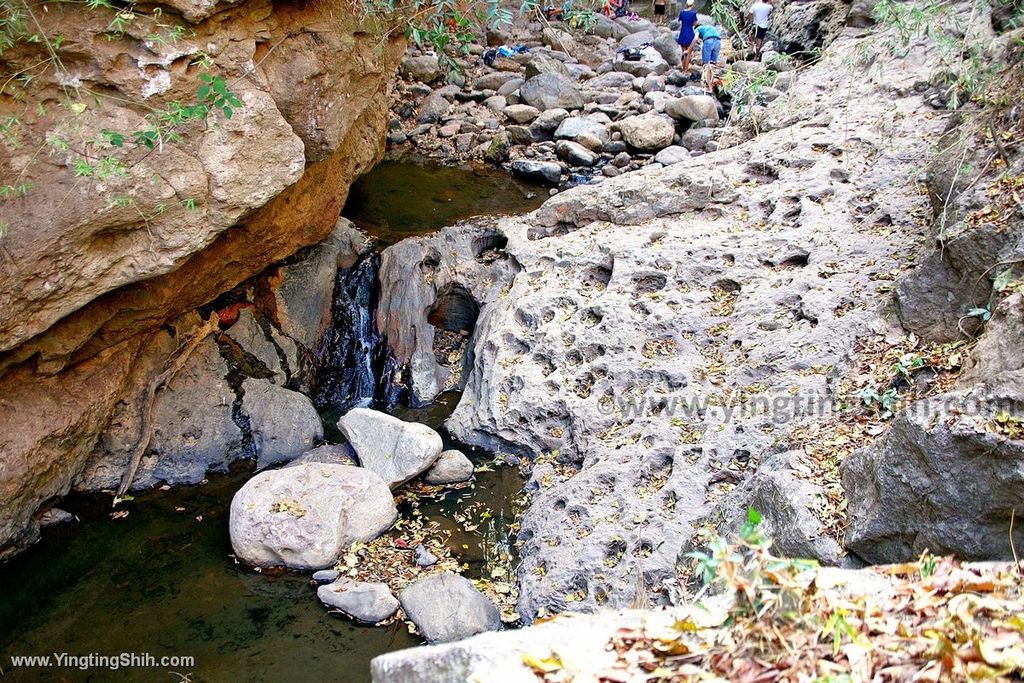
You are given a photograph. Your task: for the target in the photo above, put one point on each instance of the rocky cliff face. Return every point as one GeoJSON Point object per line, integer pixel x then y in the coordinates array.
{"type": "Point", "coordinates": [98, 275]}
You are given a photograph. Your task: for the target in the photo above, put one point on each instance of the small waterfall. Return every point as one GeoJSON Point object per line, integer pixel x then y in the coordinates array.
{"type": "Point", "coordinates": [354, 366]}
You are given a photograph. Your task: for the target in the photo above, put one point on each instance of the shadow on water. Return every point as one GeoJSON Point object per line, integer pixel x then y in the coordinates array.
{"type": "Point", "coordinates": [406, 197]}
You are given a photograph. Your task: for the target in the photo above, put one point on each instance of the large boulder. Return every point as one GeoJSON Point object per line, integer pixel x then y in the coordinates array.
{"type": "Point", "coordinates": [606, 27]}
{"type": "Point", "coordinates": [331, 453]}
{"type": "Point", "coordinates": [434, 108]}
{"type": "Point", "coordinates": [557, 39]}
{"type": "Point", "coordinates": [692, 108]}
{"type": "Point", "coordinates": [650, 62]}
{"type": "Point", "coordinates": [424, 68]}
{"type": "Point", "coordinates": [543, 64]}
{"type": "Point", "coordinates": [284, 424]}
{"type": "Point", "coordinates": [250, 336]}
{"type": "Point", "coordinates": [649, 132]}
{"type": "Point", "coordinates": [304, 517]}
{"type": "Point", "coordinates": [365, 602]}
{"type": "Point", "coordinates": [396, 450]}
{"type": "Point", "coordinates": [551, 91]}
{"type": "Point", "coordinates": [446, 607]}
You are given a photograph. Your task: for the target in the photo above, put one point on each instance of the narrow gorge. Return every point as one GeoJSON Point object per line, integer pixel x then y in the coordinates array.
{"type": "Point", "coordinates": [500, 347]}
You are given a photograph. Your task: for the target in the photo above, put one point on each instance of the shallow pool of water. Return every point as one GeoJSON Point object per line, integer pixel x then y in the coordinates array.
{"type": "Point", "coordinates": [405, 197]}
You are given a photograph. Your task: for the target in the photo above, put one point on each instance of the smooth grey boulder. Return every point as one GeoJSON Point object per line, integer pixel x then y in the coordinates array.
{"type": "Point", "coordinates": [575, 154]}
{"type": "Point", "coordinates": [366, 603]}
{"type": "Point", "coordinates": [551, 91]}
{"type": "Point", "coordinates": [521, 113]}
{"type": "Point", "coordinates": [434, 108]}
{"type": "Point", "coordinates": [541, 171]}
{"type": "Point", "coordinates": [452, 467]}
{"type": "Point", "coordinates": [424, 68]}
{"type": "Point", "coordinates": [330, 453]}
{"type": "Point", "coordinates": [543, 64]}
{"type": "Point", "coordinates": [696, 138]}
{"type": "Point", "coordinates": [284, 424]}
{"type": "Point", "coordinates": [304, 517]}
{"type": "Point", "coordinates": [650, 62]}
{"type": "Point", "coordinates": [606, 27]}
{"type": "Point", "coordinates": [648, 132]}
{"type": "Point", "coordinates": [672, 155]}
{"type": "Point", "coordinates": [396, 450]}
{"type": "Point", "coordinates": [248, 334]}
{"type": "Point", "coordinates": [572, 127]}
{"type": "Point", "coordinates": [692, 108]}
{"type": "Point", "coordinates": [325, 576]}
{"type": "Point", "coordinates": [447, 607]}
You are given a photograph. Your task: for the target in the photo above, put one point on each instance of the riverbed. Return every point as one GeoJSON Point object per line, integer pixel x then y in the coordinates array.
{"type": "Point", "coordinates": [161, 578]}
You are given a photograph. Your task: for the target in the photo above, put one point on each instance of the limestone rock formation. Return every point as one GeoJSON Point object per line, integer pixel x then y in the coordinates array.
{"type": "Point", "coordinates": [666, 330]}
{"type": "Point", "coordinates": [304, 517]}
{"type": "Point", "coordinates": [432, 291]}
{"type": "Point", "coordinates": [87, 283]}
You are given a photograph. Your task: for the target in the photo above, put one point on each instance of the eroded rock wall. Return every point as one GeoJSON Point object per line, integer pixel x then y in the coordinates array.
{"type": "Point", "coordinates": [87, 282]}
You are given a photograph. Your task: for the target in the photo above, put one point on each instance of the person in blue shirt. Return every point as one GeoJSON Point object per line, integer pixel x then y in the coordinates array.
{"type": "Point", "coordinates": [687, 24]}
{"type": "Point", "coordinates": [711, 44]}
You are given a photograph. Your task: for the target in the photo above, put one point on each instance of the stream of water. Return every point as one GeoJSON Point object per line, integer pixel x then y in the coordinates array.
{"type": "Point", "coordinates": [162, 581]}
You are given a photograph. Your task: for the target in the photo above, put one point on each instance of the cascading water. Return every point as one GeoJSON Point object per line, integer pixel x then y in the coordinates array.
{"type": "Point", "coordinates": [353, 365]}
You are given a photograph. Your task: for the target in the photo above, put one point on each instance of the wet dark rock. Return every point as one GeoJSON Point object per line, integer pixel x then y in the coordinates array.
{"type": "Point", "coordinates": [446, 607]}
{"type": "Point", "coordinates": [542, 171]}
{"type": "Point", "coordinates": [55, 516]}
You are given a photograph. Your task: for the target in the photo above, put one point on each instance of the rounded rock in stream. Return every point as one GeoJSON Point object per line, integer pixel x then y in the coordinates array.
{"type": "Point", "coordinates": [367, 603]}
{"type": "Point", "coordinates": [452, 467]}
{"type": "Point", "coordinates": [396, 450]}
{"type": "Point", "coordinates": [446, 607]}
{"type": "Point", "coordinates": [304, 517]}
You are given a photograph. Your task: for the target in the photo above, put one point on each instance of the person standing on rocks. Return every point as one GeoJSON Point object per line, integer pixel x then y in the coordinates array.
{"type": "Point", "coordinates": [760, 12]}
{"type": "Point", "coordinates": [659, 11]}
{"type": "Point", "coordinates": [710, 44]}
{"type": "Point", "coordinates": [687, 24]}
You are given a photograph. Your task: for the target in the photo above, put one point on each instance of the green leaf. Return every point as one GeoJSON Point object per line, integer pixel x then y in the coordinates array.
{"type": "Point", "coordinates": [753, 516]}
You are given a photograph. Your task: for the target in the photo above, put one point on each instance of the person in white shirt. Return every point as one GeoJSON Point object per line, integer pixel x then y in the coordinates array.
{"type": "Point", "coordinates": [760, 11]}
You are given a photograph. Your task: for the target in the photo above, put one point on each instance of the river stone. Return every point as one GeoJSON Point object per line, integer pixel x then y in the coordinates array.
{"type": "Point", "coordinates": [423, 557]}
{"type": "Point", "coordinates": [575, 154]}
{"type": "Point", "coordinates": [545, 125]}
{"type": "Point", "coordinates": [551, 91]}
{"type": "Point", "coordinates": [573, 127]}
{"type": "Point", "coordinates": [648, 132]}
{"type": "Point", "coordinates": [394, 449]}
{"type": "Point", "coordinates": [494, 80]}
{"type": "Point", "coordinates": [559, 40]}
{"type": "Point", "coordinates": [541, 171]}
{"type": "Point", "coordinates": [613, 80]}
{"type": "Point", "coordinates": [446, 607]}
{"type": "Point", "coordinates": [248, 334]}
{"type": "Point", "coordinates": [650, 62]}
{"type": "Point", "coordinates": [424, 68]}
{"type": "Point", "coordinates": [672, 155]}
{"type": "Point", "coordinates": [696, 138]}
{"type": "Point", "coordinates": [606, 27]}
{"type": "Point", "coordinates": [284, 423]}
{"type": "Point", "coordinates": [335, 454]}
{"type": "Point", "coordinates": [304, 517]}
{"type": "Point", "coordinates": [668, 47]}
{"type": "Point", "coordinates": [367, 603]}
{"type": "Point", "coordinates": [692, 108]}
{"type": "Point", "coordinates": [543, 64]}
{"type": "Point", "coordinates": [325, 576]}
{"type": "Point", "coordinates": [511, 89]}
{"type": "Point", "coordinates": [452, 467]}
{"type": "Point", "coordinates": [521, 113]}
{"type": "Point", "coordinates": [434, 108]}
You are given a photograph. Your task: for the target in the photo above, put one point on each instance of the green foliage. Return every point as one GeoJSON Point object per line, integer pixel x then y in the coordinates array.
{"type": "Point", "coordinates": [885, 402]}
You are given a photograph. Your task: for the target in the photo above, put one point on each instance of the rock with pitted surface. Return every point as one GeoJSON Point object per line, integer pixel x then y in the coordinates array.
{"type": "Point", "coordinates": [394, 449]}
{"type": "Point", "coordinates": [446, 607]}
{"type": "Point", "coordinates": [304, 517]}
{"type": "Point", "coordinates": [365, 602]}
